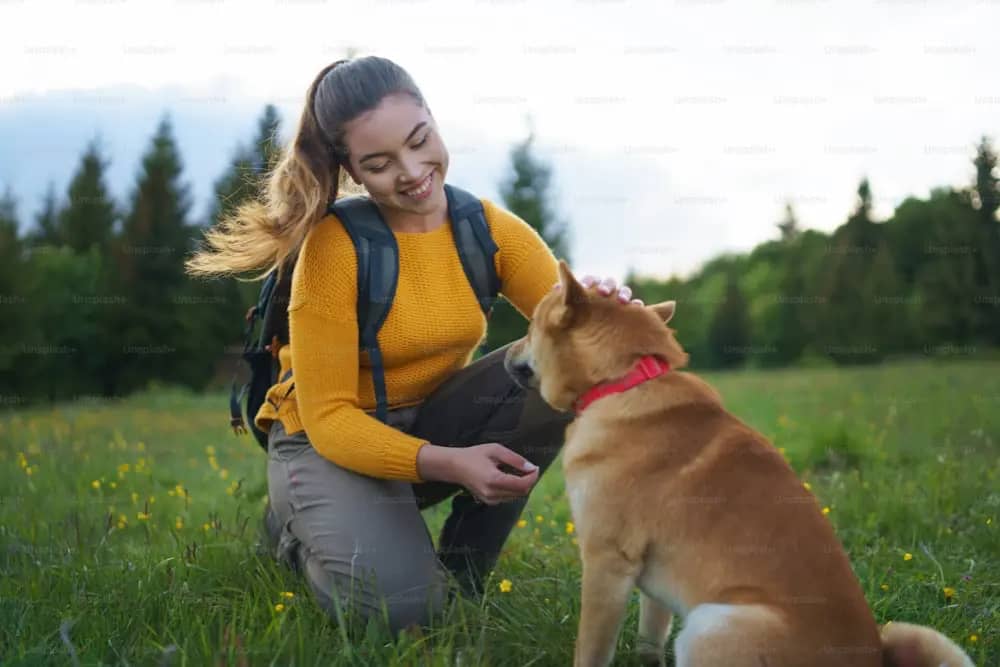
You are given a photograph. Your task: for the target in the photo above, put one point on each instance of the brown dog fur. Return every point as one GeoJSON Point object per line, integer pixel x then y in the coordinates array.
{"type": "Point", "coordinates": [673, 494]}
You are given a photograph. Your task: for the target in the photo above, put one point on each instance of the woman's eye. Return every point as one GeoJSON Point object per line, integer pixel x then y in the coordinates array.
{"type": "Point", "coordinates": [422, 141]}
{"type": "Point", "coordinates": [379, 168]}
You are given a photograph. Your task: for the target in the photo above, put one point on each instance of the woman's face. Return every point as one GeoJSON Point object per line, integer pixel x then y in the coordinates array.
{"type": "Point", "coordinates": [397, 154]}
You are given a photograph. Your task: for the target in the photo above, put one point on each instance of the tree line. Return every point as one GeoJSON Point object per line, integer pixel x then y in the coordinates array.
{"type": "Point", "coordinates": [94, 299]}
{"type": "Point", "coordinates": [926, 281]}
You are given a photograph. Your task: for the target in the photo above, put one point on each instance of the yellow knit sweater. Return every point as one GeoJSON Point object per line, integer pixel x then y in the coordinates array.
{"type": "Point", "coordinates": [432, 330]}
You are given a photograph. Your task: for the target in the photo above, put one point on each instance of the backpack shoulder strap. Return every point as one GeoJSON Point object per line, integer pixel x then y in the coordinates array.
{"type": "Point", "coordinates": [476, 247]}
{"type": "Point", "coordinates": [378, 271]}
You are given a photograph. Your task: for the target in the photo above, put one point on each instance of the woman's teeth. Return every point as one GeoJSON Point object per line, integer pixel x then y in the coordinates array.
{"type": "Point", "coordinates": [423, 189]}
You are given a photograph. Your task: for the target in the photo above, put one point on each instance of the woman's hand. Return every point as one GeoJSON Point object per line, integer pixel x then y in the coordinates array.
{"type": "Point", "coordinates": [606, 287]}
{"type": "Point", "coordinates": [478, 469]}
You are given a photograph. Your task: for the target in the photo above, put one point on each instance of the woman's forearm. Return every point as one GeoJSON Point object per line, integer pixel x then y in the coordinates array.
{"type": "Point", "coordinates": [434, 463]}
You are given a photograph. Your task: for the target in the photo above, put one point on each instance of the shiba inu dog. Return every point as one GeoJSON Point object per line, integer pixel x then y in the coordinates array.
{"type": "Point", "coordinates": [673, 494]}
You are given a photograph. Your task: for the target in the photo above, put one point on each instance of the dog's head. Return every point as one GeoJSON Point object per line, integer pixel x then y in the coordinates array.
{"type": "Point", "coordinates": [578, 338]}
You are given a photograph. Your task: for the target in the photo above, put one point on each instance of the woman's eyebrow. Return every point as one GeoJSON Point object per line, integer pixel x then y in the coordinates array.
{"type": "Point", "coordinates": [412, 132]}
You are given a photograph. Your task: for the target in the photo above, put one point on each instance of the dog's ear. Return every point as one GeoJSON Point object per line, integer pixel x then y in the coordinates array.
{"type": "Point", "coordinates": [664, 310]}
{"type": "Point", "coordinates": [573, 297]}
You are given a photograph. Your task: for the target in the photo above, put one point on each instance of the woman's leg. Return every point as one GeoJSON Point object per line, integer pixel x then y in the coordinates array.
{"type": "Point", "coordinates": [481, 403]}
{"type": "Point", "coordinates": [360, 541]}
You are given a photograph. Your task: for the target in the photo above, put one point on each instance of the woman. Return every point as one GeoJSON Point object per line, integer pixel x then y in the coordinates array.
{"type": "Point", "coordinates": [345, 490]}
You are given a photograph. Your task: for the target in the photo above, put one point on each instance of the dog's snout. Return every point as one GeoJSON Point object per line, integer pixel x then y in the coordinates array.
{"type": "Point", "coordinates": [522, 370]}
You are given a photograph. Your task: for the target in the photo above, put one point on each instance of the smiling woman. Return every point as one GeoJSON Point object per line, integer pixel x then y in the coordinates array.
{"type": "Point", "coordinates": [345, 487]}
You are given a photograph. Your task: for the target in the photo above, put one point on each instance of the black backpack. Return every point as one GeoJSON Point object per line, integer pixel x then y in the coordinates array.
{"type": "Point", "coordinates": [378, 269]}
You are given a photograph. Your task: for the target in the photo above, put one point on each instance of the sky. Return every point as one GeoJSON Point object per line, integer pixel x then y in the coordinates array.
{"type": "Point", "coordinates": [676, 129]}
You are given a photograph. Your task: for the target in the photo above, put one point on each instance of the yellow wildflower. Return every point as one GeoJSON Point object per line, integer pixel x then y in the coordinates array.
{"type": "Point", "coordinates": [973, 638]}
{"type": "Point", "coordinates": [949, 592]}
{"type": "Point", "coordinates": [96, 484]}
{"type": "Point", "coordinates": [907, 556]}
{"type": "Point", "coordinates": [279, 607]}
{"type": "Point", "coordinates": [807, 486]}
{"type": "Point", "coordinates": [287, 594]}
{"type": "Point", "coordinates": [885, 587]}
{"type": "Point", "coordinates": [506, 585]}
{"type": "Point", "coordinates": [521, 523]}
{"type": "Point", "coordinates": [570, 527]}
{"type": "Point", "coordinates": [539, 518]}
{"type": "Point", "coordinates": [826, 510]}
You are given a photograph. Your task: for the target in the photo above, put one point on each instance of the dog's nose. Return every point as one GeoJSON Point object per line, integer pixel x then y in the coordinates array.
{"type": "Point", "coordinates": [520, 370]}
{"type": "Point", "coordinates": [523, 371]}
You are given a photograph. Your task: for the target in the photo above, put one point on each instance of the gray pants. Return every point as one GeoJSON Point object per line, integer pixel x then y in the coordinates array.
{"type": "Point", "coordinates": [362, 542]}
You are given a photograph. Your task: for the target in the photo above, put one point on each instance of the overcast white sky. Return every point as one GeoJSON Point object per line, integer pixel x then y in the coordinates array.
{"type": "Point", "coordinates": [676, 129]}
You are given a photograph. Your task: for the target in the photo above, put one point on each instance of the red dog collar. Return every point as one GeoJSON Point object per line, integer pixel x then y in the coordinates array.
{"type": "Point", "coordinates": [649, 367]}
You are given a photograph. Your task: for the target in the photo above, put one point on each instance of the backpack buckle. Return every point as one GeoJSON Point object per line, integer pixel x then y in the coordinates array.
{"type": "Point", "coordinates": [239, 427]}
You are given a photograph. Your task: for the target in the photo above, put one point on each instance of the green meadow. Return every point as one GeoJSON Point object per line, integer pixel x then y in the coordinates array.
{"type": "Point", "coordinates": [130, 530]}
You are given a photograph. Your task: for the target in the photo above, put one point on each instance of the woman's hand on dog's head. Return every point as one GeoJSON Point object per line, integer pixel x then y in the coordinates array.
{"type": "Point", "coordinates": [481, 470]}
{"type": "Point", "coordinates": [607, 287]}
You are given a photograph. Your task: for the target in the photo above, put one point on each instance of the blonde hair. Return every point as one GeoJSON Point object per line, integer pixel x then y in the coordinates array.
{"type": "Point", "coordinates": [265, 233]}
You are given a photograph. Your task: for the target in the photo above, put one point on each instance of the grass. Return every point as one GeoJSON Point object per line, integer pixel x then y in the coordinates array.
{"type": "Point", "coordinates": [129, 529]}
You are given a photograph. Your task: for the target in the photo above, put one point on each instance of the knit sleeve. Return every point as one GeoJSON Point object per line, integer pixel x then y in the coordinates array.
{"type": "Point", "coordinates": [526, 265]}
{"type": "Point", "coordinates": [323, 336]}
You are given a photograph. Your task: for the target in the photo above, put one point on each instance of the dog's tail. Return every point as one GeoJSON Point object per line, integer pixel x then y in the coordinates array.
{"type": "Point", "coordinates": [908, 645]}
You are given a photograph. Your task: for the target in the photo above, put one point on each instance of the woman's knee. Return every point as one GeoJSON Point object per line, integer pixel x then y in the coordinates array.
{"type": "Point", "coordinates": [357, 594]}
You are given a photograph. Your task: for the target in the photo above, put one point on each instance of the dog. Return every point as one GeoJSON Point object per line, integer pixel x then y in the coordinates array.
{"type": "Point", "coordinates": [674, 495]}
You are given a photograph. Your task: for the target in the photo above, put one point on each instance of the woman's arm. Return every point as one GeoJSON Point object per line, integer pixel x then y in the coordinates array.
{"type": "Point", "coordinates": [323, 336]}
{"type": "Point", "coordinates": [434, 463]}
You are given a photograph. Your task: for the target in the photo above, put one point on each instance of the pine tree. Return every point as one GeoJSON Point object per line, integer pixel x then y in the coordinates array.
{"type": "Point", "coordinates": [46, 229]}
{"type": "Point", "coordinates": [987, 181]}
{"type": "Point", "coordinates": [87, 226]}
{"type": "Point", "coordinates": [526, 193]}
{"type": "Point", "coordinates": [12, 297]}
{"type": "Point", "coordinates": [860, 285]}
{"type": "Point", "coordinates": [248, 167]}
{"type": "Point", "coordinates": [729, 329]}
{"type": "Point", "coordinates": [89, 217]}
{"type": "Point", "coordinates": [155, 238]}
{"type": "Point", "coordinates": [987, 256]}
{"type": "Point", "coordinates": [789, 226]}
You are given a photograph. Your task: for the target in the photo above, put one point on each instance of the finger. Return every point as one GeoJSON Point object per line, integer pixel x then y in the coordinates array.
{"type": "Point", "coordinates": [606, 286]}
{"type": "Point", "coordinates": [638, 302]}
{"type": "Point", "coordinates": [624, 293]}
{"type": "Point", "coordinates": [588, 280]}
{"type": "Point", "coordinates": [502, 454]}
{"type": "Point", "coordinates": [512, 485]}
